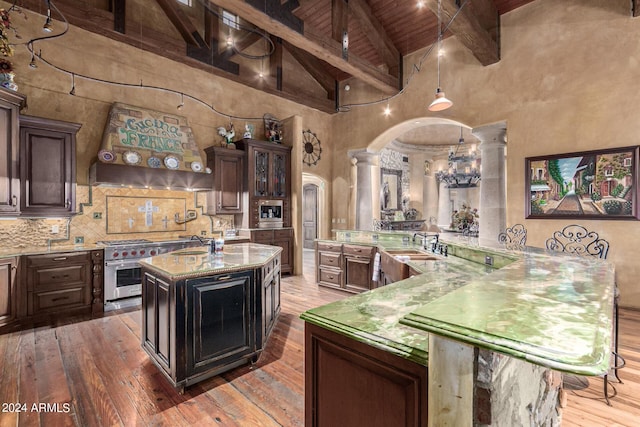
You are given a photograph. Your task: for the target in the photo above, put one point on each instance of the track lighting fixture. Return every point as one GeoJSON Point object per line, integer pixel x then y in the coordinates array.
{"type": "Point", "coordinates": [32, 63]}
{"type": "Point", "coordinates": [441, 102]}
{"type": "Point", "coordinates": [181, 105]}
{"type": "Point", "coordinates": [72, 92]}
{"type": "Point", "coordinates": [48, 26]}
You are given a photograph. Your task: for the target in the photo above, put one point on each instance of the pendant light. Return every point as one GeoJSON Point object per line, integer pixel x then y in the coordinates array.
{"type": "Point", "coordinates": [441, 102]}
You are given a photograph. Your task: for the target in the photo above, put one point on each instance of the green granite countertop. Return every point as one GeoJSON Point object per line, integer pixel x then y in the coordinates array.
{"type": "Point", "coordinates": [197, 262]}
{"type": "Point", "coordinates": [552, 310]}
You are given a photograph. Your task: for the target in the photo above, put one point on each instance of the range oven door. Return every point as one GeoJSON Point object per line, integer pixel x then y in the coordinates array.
{"type": "Point", "coordinates": [122, 279]}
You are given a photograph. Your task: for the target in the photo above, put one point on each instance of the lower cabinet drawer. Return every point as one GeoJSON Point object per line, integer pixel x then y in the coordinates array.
{"type": "Point", "coordinates": [49, 301]}
{"type": "Point", "coordinates": [55, 277]}
{"type": "Point", "coordinates": [330, 277]}
{"type": "Point", "coordinates": [329, 259]}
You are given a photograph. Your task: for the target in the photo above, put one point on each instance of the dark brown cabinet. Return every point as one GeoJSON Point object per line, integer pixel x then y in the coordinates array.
{"type": "Point", "coordinates": [282, 237]}
{"type": "Point", "coordinates": [10, 103]}
{"type": "Point", "coordinates": [199, 327]}
{"type": "Point", "coordinates": [349, 383]}
{"type": "Point", "coordinates": [47, 166]}
{"type": "Point", "coordinates": [8, 291]}
{"type": "Point", "coordinates": [268, 176]}
{"type": "Point", "coordinates": [345, 266]}
{"type": "Point", "coordinates": [228, 180]}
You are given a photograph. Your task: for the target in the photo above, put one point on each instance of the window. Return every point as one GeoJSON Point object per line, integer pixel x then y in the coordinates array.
{"type": "Point", "coordinates": [186, 2]}
{"type": "Point", "coordinates": [627, 161]}
{"type": "Point", "coordinates": [230, 19]}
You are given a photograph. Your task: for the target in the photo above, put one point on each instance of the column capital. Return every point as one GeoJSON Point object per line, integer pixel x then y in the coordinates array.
{"type": "Point", "coordinates": [364, 157]}
{"type": "Point", "coordinates": [495, 133]}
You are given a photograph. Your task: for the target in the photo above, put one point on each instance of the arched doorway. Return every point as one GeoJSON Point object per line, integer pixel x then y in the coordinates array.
{"type": "Point", "coordinates": [309, 215]}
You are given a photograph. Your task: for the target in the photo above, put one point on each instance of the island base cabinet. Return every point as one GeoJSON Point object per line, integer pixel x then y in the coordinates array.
{"type": "Point", "coordinates": [350, 383]}
{"type": "Point", "coordinates": [220, 330]}
{"type": "Point", "coordinates": [196, 328]}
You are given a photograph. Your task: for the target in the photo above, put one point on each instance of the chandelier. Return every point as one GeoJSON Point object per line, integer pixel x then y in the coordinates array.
{"type": "Point", "coordinates": [464, 168]}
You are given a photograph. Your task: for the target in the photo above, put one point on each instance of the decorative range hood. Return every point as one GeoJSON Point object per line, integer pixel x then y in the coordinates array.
{"type": "Point", "coordinates": [143, 148]}
{"type": "Point", "coordinates": [115, 175]}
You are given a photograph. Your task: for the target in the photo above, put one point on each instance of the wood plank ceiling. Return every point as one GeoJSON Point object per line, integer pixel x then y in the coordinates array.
{"type": "Point", "coordinates": [331, 39]}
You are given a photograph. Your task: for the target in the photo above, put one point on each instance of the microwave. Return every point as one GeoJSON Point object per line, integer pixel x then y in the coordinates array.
{"type": "Point", "coordinates": [270, 214]}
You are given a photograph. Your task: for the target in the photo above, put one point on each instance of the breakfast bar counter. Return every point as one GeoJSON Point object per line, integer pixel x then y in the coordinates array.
{"type": "Point", "coordinates": [549, 310]}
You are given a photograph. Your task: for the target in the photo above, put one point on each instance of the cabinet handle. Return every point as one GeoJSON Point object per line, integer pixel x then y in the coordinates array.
{"type": "Point", "coordinates": [60, 258]}
{"type": "Point", "coordinates": [64, 276]}
{"type": "Point", "coordinates": [14, 200]}
{"type": "Point", "coordinates": [67, 203]}
{"type": "Point", "coordinates": [224, 278]}
{"type": "Point", "coordinates": [59, 299]}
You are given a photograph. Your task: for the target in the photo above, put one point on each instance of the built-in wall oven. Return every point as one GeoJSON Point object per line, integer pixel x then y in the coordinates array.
{"type": "Point", "coordinates": [122, 274]}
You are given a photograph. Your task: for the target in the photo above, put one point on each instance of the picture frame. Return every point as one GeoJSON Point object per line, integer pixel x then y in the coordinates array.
{"type": "Point", "coordinates": [597, 184]}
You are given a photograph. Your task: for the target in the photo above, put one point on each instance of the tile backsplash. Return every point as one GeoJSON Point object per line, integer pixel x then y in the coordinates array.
{"type": "Point", "coordinates": [118, 213]}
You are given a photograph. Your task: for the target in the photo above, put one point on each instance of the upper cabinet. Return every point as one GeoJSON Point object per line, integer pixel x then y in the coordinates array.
{"type": "Point", "coordinates": [269, 168]}
{"type": "Point", "coordinates": [10, 104]}
{"type": "Point", "coordinates": [228, 175]}
{"type": "Point", "coordinates": [47, 167]}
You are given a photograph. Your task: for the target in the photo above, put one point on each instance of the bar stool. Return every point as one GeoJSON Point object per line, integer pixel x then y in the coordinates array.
{"type": "Point", "coordinates": [514, 237]}
{"type": "Point", "coordinates": [577, 240]}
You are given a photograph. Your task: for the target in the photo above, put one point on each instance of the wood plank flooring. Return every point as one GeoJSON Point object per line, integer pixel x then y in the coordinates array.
{"type": "Point", "coordinates": [94, 373]}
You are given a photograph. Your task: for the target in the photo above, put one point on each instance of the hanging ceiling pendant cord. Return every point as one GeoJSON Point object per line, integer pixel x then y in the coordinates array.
{"type": "Point", "coordinates": [441, 102]}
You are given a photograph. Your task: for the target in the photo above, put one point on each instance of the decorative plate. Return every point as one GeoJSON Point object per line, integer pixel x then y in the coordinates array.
{"type": "Point", "coordinates": [131, 157]}
{"type": "Point", "coordinates": [106, 156]}
{"type": "Point", "coordinates": [196, 166]}
{"type": "Point", "coordinates": [171, 162]}
{"type": "Point", "coordinates": [154, 162]}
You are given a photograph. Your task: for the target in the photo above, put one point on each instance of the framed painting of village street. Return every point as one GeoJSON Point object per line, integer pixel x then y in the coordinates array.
{"type": "Point", "coordinates": [601, 184]}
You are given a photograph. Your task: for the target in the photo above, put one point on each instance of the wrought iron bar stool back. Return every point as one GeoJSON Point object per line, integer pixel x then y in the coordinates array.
{"type": "Point", "coordinates": [577, 240]}
{"type": "Point", "coordinates": [514, 237]}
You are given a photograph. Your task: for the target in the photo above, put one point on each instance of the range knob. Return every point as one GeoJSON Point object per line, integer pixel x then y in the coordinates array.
{"type": "Point", "coordinates": [115, 254]}
{"type": "Point", "coordinates": [152, 252]}
{"type": "Point", "coordinates": [133, 253]}
{"type": "Point", "coordinates": [142, 251]}
{"type": "Point", "coordinates": [125, 253]}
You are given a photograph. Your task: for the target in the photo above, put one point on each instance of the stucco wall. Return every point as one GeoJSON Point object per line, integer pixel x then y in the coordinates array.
{"type": "Point", "coordinates": [567, 81]}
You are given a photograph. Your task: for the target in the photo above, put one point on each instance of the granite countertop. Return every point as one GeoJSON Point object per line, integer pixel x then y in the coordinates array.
{"type": "Point", "coordinates": [6, 252]}
{"type": "Point", "coordinates": [198, 262]}
{"type": "Point", "coordinates": [552, 310]}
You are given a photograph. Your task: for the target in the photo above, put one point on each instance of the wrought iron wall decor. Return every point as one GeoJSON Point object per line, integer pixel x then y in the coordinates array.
{"type": "Point", "coordinates": [312, 148]}
{"type": "Point", "coordinates": [598, 184]}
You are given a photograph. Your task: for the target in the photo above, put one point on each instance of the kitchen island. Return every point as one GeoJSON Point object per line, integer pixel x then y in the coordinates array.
{"type": "Point", "coordinates": [204, 314]}
{"type": "Point", "coordinates": [538, 314]}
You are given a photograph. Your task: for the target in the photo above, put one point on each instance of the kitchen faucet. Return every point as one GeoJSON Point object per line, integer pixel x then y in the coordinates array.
{"type": "Point", "coordinates": [210, 242]}
{"type": "Point", "coordinates": [425, 236]}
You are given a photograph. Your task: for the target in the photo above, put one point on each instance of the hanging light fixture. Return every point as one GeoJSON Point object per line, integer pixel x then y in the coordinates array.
{"type": "Point", "coordinates": [48, 26]}
{"type": "Point", "coordinates": [72, 92]}
{"type": "Point", "coordinates": [441, 102]}
{"type": "Point", "coordinates": [464, 169]}
{"type": "Point", "coordinates": [181, 105]}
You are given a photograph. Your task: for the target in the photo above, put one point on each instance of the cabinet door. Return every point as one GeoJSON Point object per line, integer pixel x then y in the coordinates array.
{"type": "Point", "coordinates": [9, 172]}
{"type": "Point", "coordinates": [47, 166]}
{"type": "Point", "coordinates": [8, 301]}
{"type": "Point", "coordinates": [357, 273]}
{"type": "Point", "coordinates": [228, 175]}
{"type": "Point", "coordinates": [279, 178]}
{"type": "Point", "coordinates": [220, 330]}
{"type": "Point", "coordinates": [261, 172]}
{"type": "Point", "coordinates": [286, 256]}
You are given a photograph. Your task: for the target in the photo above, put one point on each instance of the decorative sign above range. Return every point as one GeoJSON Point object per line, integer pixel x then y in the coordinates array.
{"type": "Point", "coordinates": [139, 137]}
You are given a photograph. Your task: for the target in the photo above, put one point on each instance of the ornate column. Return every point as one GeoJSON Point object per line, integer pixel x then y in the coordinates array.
{"type": "Point", "coordinates": [493, 201]}
{"type": "Point", "coordinates": [367, 188]}
{"type": "Point", "coordinates": [444, 197]}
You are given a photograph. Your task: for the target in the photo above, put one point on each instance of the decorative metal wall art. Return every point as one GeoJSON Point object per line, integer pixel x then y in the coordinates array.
{"type": "Point", "coordinates": [312, 148]}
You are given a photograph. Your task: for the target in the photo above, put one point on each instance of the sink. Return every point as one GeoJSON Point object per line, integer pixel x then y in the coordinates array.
{"type": "Point", "coordinates": [184, 253]}
{"type": "Point", "coordinates": [404, 252]}
{"type": "Point", "coordinates": [422, 257]}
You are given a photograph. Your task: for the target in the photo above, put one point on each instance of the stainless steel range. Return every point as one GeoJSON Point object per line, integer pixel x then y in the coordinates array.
{"type": "Point", "coordinates": [122, 276]}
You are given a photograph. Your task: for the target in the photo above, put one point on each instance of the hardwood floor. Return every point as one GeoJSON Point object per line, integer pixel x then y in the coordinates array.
{"type": "Point", "coordinates": [94, 373]}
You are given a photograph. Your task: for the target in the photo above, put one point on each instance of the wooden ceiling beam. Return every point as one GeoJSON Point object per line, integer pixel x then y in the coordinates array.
{"type": "Point", "coordinates": [377, 35]}
{"type": "Point", "coordinates": [181, 21]}
{"type": "Point", "coordinates": [100, 22]}
{"type": "Point", "coordinates": [315, 68]}
{"type": "Point", "coordinates": [240, 44]}
{"type": "Point", "coordinates": [318, 45]}
{"type": "Point", "coordinates": [635, 8]}
{"type": "Point", "coordinates": [340, 25]}
{"type": "Point", "coordinates": [118, 7]}
{"type": "Point", "coordinates": [468, 28]}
